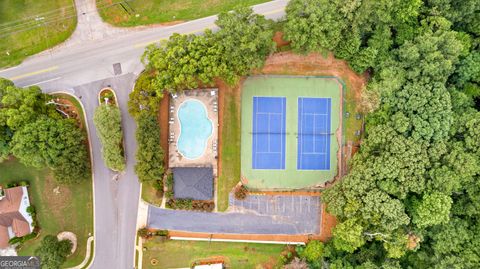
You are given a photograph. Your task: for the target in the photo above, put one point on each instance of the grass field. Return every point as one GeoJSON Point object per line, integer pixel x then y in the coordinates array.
{"type": "Point", "coordinates": [161, 11]}
{"type": "Point", "coordinates": [70, 210]}
{"type": "Point", "coordinates": [230, 147]}
{"type": "Point", "coordinates": [150, 194]}
{"type": "Point", "coordinates": [292, 88]}
{"type": "Point", "coordinates": [29, 27]}
{"type": "Point", "coordinates": [182, 254]}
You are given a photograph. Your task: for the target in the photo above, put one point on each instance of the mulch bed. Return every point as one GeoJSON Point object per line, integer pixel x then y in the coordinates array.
{"type": "Point", "coordinates": [69, 109]}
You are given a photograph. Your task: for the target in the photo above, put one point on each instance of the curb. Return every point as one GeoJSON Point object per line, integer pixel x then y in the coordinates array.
{"type": "Point", "coordinates": [91, 164]}
{"type": "Point", "coordinates": [87, 255]}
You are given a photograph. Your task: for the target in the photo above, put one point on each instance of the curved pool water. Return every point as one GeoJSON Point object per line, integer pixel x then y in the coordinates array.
{"type": "Point", "coordinates": [195, 129]}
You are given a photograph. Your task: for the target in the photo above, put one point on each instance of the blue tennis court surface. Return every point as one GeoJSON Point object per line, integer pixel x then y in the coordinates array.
{"type": "Point", "coordinates": [268, 135]}
{"type": "Point", "coordinates": [314, 133]}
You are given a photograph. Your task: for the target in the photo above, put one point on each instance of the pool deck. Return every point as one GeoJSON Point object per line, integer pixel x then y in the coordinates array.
{"type": "Point", "coordinates": [209, 157]}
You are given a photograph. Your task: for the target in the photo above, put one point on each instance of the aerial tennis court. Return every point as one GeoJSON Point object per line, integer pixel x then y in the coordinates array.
{"type": "Point", "coordinates": [268, 150]}
{"type": "Point", "coordinates": [314, 133]}
{"type": "Point", "coordinates": [290, 131]}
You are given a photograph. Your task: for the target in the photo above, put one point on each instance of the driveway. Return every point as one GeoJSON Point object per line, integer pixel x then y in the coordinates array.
{"type": "Point", "coordinates": [258, 214]}
{"type": "Point", "coordinates": [116, 202]}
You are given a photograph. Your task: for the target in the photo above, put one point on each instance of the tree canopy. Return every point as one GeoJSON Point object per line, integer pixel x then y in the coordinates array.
{"type": "Point", "coordinates": [410, 199]}
{"type": "Point", "coordinates": [241, 44]}
{"type": "Point", "coordinates": [57, 144]}
{"type": "Point", "coordinates": [52, 252]}
{"type": "Point", "coordinates": [149, 166]}
{"type": "Point", "coordinates": [108, 122]}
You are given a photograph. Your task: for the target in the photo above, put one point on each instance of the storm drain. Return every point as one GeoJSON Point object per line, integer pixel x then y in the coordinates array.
{"type": "Point", "coordinates": [117, 69]}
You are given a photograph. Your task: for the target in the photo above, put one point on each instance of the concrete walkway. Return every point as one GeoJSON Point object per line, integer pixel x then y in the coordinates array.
{"type": "Point", "coordinates": [89, 252]}
{"type": "Point", "coordinates": [258, 214]}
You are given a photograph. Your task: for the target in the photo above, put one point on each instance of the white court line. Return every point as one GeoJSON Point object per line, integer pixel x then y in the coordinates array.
{"type": "Point", "coordinates": [45, 81]}
{"type": "Point", "coordinates": [268, 113]}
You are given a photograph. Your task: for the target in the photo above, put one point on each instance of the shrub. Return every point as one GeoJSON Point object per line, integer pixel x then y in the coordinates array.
{"type": "Point", "coordinates": [169, 181]}
{"type": "Point", "coordinates": [240, 192]}
{"type": "Point", "coordinates": [15, 240]}
{"type": "Point", "coordinates": [12, 184]}
{"type": "Point", "coordinates": [144, 233]}
{"type": "Point", "coordinates": [22, 239]}
{"type": "Point", "coordinates": [31, 210]}
{"type": "Point", "coordinates": [157, 185]}
{"type": "Point", "coordinates": [24, 183]}
{"type": "Point", "coordinates": [161, 233]}
{"type": "Point", "coordinates": [169, 194]}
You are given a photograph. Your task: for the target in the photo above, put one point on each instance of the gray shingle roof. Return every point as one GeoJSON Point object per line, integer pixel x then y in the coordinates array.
{"type": "Point", "coordinates": [193, 183]}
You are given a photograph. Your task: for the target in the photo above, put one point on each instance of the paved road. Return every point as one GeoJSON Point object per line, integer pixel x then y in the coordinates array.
{"type": "Point", "coordinates": [82, 68]}
{"type": "Point", "coordinates": [258, 214]}
{"type": "Point", "coordinates": [77, 64]}
{"type": "Point", "coordinates": [116, 202]}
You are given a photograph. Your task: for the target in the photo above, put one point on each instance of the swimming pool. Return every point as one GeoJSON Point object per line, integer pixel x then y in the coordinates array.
{"type": "Point", "coordinates": [195, 129]}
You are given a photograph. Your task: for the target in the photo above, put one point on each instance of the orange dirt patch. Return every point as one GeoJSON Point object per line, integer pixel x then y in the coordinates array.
{"type": "Point", "coordinates": [314, 64]}
{"type": "Point", "coordinates": [327, 224]}
{"type": "Point", "coordinates": [261, 237]}
{"type": "Point", "coordinates": [278, 38]}
{"type": "Point", "coordinates": [162, 118]}
{"type": "Point", "coordinates": [67, 107]}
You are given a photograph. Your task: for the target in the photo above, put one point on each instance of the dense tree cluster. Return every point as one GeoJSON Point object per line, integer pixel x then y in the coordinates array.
{"type": "Point", "coordinates": [411, 199]}
{"type": "Point", "coordinates": [241, 44]}
{"type": "Point", "coordinates": [108, 121]}
{"type": "Point", "coordinates": [149, 165]}
{"type": "Point", "coordinates": [52, 252]}
{"type": "Point", "coordinates": [32, 130]}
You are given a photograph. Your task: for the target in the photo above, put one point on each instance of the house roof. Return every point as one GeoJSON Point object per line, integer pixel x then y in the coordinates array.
{"type": "Point", "coordinates": [193, 183]}
{"type": "Point", "coordinates": [10, 215]}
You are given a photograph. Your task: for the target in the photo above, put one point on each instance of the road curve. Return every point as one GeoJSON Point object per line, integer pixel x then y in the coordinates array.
{"type": "Point", "coordinates": [83, 69]}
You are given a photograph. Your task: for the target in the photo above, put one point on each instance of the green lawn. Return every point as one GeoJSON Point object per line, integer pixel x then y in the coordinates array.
{"type": "Point", "coordinates": [29, 27]}
{"type": "Point", "coordinates": [230, 147]}
{"type": "Point", "coordinates": [70, 210]}
{"type": "Point", "coordinates": [161, 11]}
{"type": "Point", "coordinates": [177, 254]}
{"type": "Point", "coordinates": [151, 195]}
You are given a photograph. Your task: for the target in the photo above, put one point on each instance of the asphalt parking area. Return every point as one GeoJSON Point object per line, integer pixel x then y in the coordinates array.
{"type": "Point", "coordinates": [257, 214]}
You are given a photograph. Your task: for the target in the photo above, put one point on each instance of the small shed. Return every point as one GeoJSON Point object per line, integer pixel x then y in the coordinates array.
{"type": "Point", "coordinates": [193, 183]}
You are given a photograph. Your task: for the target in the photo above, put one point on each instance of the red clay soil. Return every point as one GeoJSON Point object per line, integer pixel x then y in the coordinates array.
{"type": "Point", "coordinates": [278, 38]}
{"type": "Point", "coordinates": [314, 64]}
{"type": "Point", "coordinates": [162, 117]}
{"type": "Point", "coordinates": [259, 237]}
{"type": "Point", "coordinates": [328, 222]}
{"type": "Point", "coordinates": [70, 109]}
